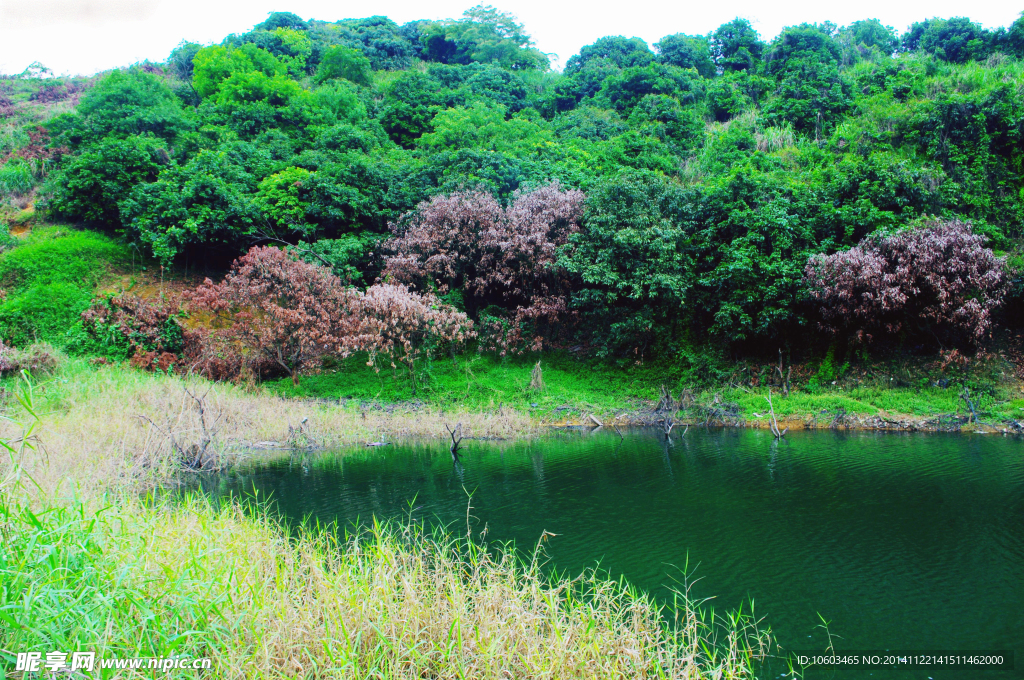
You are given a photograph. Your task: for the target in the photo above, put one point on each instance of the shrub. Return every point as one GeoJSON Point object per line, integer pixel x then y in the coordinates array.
{"type": "Point", "coordinates": [281, 310]}
{"type": "Point", "coordinates": [938, 278]}
{"type": "Point", "coordinates": [403, 326]}
{"type": "Point", "coordinates": [126, 325]}
{"type": "Point", "coordinates": [37, 359]}
{"type": "Point", "coordinates": [500, 259]}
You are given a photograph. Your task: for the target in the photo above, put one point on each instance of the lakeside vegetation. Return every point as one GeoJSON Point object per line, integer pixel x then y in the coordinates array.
{"type": "Point", "coordinates": [88, 564]}
{"type": "Point", "coordinates": [411, 226]}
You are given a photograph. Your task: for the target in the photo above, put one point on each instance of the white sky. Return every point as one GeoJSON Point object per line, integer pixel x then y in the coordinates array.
{"type": "Point", "coordinates": [85, 36]}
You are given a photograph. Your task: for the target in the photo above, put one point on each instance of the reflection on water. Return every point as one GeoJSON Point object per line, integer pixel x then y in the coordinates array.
{"type": "Point", "coordinates": [900, 541]}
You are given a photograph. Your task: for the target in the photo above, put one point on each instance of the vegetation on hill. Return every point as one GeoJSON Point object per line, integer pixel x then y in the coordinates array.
{"type": "Point", "coordinates": [645, 203]}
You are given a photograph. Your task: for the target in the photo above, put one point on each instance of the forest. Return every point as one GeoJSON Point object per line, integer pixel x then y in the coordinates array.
{"type": "Point", "coordinates": [409, 190]}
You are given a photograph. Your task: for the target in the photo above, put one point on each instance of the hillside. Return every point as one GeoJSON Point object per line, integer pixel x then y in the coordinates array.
{"type": "Point", "coordinates": [709, 169]}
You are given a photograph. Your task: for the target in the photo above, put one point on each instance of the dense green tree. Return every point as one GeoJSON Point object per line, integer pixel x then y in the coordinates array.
{"type": "Point", "coordinates": [624, 90]}
{"type": "Point", "coordinates": [180, 60]}
{"type": "Point", "coordinates": [92, 183]}
{"type": "Point", "coordinates": [736, 46]}
{"type": "Point", "coordinates": [634, 262]}
{"type": "Point", "coordinates": [283, 20]}
{"type": "Point", "coordinates": [623, 52]}
{"type": "Point", "coordinates": [1013, 41]}
{"type": "Point", "coordinates": [663, 117]}
{"type": "Point", "coordinates": [956, 40]}
{"type": "Point", "coordinates": [205, 204]}
{"type": "Point", "coordinates": [217, 64]}
{"type": "Point", "coordinates": [378, 38]}
{"type": "Point", "coordinates": [483, 34]}
{"type": "Point", "coordinates": [131, 102]}
{"type": "Point", "coordinates": [871, 33]}
{"type": "Point", "coordinates": [344, 62]}
{"type": "Point", "coordinates": [584, 83]}
{"type": "Point", "coordinates": [687, 51]}
{"type": "Point", "coordinates": [413, 100]}
{"type": "Point", "coordinates": [811, 93]}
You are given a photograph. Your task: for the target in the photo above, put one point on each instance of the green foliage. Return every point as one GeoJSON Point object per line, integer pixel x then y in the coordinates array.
{"type": "Point", "coordinates": [380, 39]}
{"type": "Point", "coordinates": [956, 40]}
{"type": "Point", "coordinates": [687, 51]}
{"type": "Point", "coordinates": [715, 165]}
{"type": "Point", "coordinates": [344, 62]}
{"type": "Point", "coordinates": [485, 35]}
{"type": "Point", "coordinates": [282, 197]}
{"type": "Point", "coordinates": [91, 184]}
{"type": "Point", "coordinates": [811, 94]}
{"type": "Point", "coordinates": [180, 60]}
{"type": "Point", "coordinates": [216, 65]}
{"type": "Point", "coordinates": [129, 103]}
{"type": "Point", "coordinates": [870, 33]}
{"type": "Point", "coordinates": [624, 90]}
{"type": "Point", "coordinates": [206, 201]}
{"type": "Point", "coordinates": [15, 178]}
{"type": "Point", "coordinates": [49, 282]}
{"type": "Point", "coordinates": [283, 20]}
{"type": "Point", "coordinates": [736, 46]}
{"type": "Point", "coordinates": [633, 261]}
{"type": "Point", "coordinates": [619, 51]}
{"type": "Point", "coordinates": [349, 256]}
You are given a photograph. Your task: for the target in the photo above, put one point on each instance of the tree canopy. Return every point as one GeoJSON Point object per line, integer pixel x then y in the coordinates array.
{"type": "Point", "coordinates": [707, 170]}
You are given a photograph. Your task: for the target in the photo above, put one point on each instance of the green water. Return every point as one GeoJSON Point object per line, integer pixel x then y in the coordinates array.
{"type": "Point", "coordinates": [900, 541]}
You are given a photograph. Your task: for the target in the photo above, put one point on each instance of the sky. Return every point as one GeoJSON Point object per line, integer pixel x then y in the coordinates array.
{"type": "Point", "coordinates": [86, 36]}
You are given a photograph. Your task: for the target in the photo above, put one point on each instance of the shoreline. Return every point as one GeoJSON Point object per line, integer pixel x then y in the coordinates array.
{"type": "Point", "coordinates": [876, 423]}
{"type": "Point", "coordinates": [111, 425]}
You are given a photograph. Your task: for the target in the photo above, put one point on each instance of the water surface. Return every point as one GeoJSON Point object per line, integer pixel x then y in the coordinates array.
{"type": "Point", "coordinates": [900, 541]}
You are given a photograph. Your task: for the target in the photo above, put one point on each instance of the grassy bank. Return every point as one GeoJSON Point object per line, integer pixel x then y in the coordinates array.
{"type": "Point", "coordinates": [88, 566]}
{"type": "Point", "coordinates": [110, 423]}
{"type": "Point", "coordinates": [574, 388]}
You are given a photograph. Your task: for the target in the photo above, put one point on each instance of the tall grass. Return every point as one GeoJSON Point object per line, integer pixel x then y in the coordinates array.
{"type": "Point", "coordinates": [111, 425]}
{"type": "Point", "coordinates": [87, 566]}
{"type": "Point", "coordinates": [390, 602]}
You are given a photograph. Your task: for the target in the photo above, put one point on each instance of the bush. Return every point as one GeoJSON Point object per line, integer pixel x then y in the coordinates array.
{"type": "Point", "coordinates": [38, 359]}
{"type": "Point", "coordinates": [281, 311]}
{"type": "Point", "coordinates": [15, 178]}
{"type": "Point", "coordinates": [502, 260]}
{"type": "Point", "coordinates": [404, 326]}
{"type": "Point", "coordinates": [59, 256]}
{"type": "Point", "coordinates": [936, 279]}
{"type": "Point", "coordinates": [44, 312]}
{"type": "Point", "coordinates": [125, 325]}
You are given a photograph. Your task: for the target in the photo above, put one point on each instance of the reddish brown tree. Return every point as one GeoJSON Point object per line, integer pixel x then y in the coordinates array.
{"type": "Point", "coordinates": [938, 278]}
{"type": "Point", "coordinates": [404, 326]}
{"type": "Point", "coordinates": [277, 309]}
{"type": "Point", "coordinates": [495, 256]}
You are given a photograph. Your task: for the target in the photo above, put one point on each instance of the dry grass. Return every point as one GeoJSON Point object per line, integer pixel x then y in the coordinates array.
{"type": "Point", "coordinates": [111, 426]}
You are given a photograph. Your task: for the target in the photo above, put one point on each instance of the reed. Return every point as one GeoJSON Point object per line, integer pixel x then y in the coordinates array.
{"type": "Point", "coordinates": [393, 601]}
